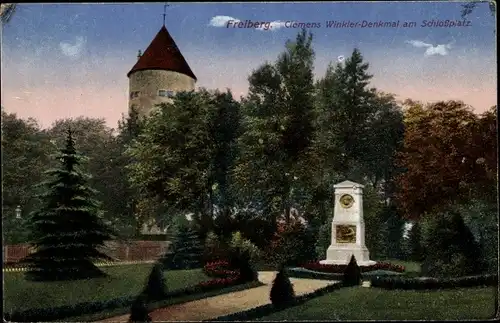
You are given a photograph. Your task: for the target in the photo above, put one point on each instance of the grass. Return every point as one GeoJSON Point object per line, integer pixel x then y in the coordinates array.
{"type": "Point", "coordinates": [358, 303]}
{"type": "Point", "coordinates": [127, 280]}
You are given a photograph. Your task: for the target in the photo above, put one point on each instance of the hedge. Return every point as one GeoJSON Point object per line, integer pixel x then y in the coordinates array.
{"type": "Point", "coordinates": [422, 283]}
{"type": "Point", "coordinates": [310, 274]}
{"type": "Point", "coordinates": [61, 312]}
{"type": "Point", "coordinates": [268, 309]}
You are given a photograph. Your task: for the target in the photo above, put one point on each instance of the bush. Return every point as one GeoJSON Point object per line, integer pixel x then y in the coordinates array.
{"type": "Point", "coordinates": [240, 260]}
{"type": "Point", "coordinates": [215, 248]}
{"type": "Point", "coordinates": [406, 283]}
{"type": "Point", "coordinates": [139, 311]}
{"type": "Point", "coordinates": [352, 273]}
{"type": "Point", "coordinates": [292, 245]}
{"type": "Point", "coordinates": [282, 293]}
{"type": "Point", "coordinates": [245, 245]}
{"type": "Point", "coordinates": [450, 248]}
{"type": "Point", "coordinates": [155, 286]}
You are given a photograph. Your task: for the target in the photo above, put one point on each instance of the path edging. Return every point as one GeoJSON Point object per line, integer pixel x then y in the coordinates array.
{"type": "Point", "coordinates": [269, 309]}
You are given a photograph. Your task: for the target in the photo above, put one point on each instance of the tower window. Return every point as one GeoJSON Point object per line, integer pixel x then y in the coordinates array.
{"type": "Point", "coordinates": [166, 93]}
{"type": "Point", "coordinates": [134, 94]}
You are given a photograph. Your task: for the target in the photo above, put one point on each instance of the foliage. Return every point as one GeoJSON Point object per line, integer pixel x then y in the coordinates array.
{"type": "Point", "coordinates": [6, 12]}
{"type": "Point", "coordinates": [352, 273]}
{"type": "Point", "coordinates": [441, 157]}
{"type": "Point", "coordinates": [294, 243]}
{"type": "Point", "coordinates": [482, 219]}
{"type": "Point", "coordinates": [155, 288]}
{"type": "Point", "coordinates": [278, 116]}
{"type": "Point", "coordinates": [66, 230]}
{"type": "Point", "coordinates": [245, 245]}
{"type": "Point", "coordinates": [450, 247]}
{"type": "Point", "coordinates": [282, 293]}
{"type": "Point", "coordinates": [186, 249]}
{"type": "Point", "coordinates": [179, 150]}
{"type": "Point", "coordinates": [23, 160]}
{"type": "Point", "coordinates": [240, 260]}
{"type": "Point", "coordinates": [139, 311]}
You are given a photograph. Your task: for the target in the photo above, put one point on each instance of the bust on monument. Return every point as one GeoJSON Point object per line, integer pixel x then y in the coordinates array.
{"type": "Point", "coordinates": [348, 227]}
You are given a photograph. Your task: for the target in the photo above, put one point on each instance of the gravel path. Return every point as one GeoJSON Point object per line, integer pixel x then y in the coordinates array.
{"type": "Point", "coordinates": [212, 307]}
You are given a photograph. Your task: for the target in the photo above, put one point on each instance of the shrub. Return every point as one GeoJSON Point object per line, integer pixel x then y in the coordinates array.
{"type": "Point", "coordinates": [215, 248]}
{"type": "Point", "coordinates": [450, 248]}
{"type": "Point", "coordinates": [282, 293]}
{"type": "Point", "coordinates": [293, 244]}
{"type": "Point", "coordinates": [155, 286]}
{"type": "Point", "coordinates": [139, 311]}
{"type": "Point", "coordinates": [240, 260]}
{"type": "Point", "coordinates": [245, 245]}
{"type": "Point", "coordinates": [352, 273]}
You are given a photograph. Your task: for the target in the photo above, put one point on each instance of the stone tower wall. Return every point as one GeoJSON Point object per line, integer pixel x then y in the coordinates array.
{"type": "Point", "coordinates": [148, 82]}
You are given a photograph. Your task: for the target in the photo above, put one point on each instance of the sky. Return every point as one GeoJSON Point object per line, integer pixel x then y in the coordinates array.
{"type": "Point", "coordinates": [70, 60]}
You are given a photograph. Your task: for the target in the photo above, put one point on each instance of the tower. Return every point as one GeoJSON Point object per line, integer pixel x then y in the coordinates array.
{"type": "Point", "coordinates": [158, 74]}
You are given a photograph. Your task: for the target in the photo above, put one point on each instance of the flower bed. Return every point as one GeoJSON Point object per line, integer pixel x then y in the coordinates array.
{"type": "Point", "coordinates": [220, 269]}
{"type": "Point", "coordinates": [316, 266]}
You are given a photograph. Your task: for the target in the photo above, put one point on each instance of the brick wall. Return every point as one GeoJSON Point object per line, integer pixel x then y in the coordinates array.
{"type": "Point", "coordinates": [120, 251]}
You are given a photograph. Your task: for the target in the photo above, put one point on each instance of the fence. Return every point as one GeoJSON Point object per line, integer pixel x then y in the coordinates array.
{"type": "Point", "coordinates": [120, 251]}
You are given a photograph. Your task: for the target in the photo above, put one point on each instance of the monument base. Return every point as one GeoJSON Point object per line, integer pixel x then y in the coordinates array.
{"type": "Point", "coordinates": [341, 255]}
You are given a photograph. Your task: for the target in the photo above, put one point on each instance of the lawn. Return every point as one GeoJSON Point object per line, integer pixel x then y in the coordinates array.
{"type": "Point", "coordinates": [358, 303]}
{"type": "Point", "coordinates": [126, 280]}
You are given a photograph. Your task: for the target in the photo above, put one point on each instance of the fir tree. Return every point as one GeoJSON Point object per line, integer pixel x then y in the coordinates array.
{"type": "Point", "coordinates": [282, 293]}
{"type": "Point", "coordinates": [352, 273]}
{"type": "Point", "coordinates": [186, 249]}
{"type": "Point", "coordinates": [66, 231]}
{"type": "Point", "coordinates": [139, 311]}
{"type": "Point", "coordinates": [155, 286]}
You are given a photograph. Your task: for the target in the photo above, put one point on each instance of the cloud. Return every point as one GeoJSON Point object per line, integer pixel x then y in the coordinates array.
{"type": "Point", "coordinates": [221, 21]}
{"type": "Point", "coordinates": [440, 49]}
{"type": "Point", "coordinates": [73, 50]}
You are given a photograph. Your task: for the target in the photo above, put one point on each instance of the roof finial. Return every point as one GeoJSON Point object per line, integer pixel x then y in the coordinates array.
{"type": "Point", "coordinates": [164, 13]}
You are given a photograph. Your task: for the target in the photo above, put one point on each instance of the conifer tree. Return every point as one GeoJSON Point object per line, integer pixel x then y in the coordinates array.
{"type": "Point", "coordinates": [186, 250]}
{"type": "Point", "coordinates": [352, 273]}
{"type": "Point", "coordinates": [282, 293]}
{"type": "Point", "coordinates": [66, 231]}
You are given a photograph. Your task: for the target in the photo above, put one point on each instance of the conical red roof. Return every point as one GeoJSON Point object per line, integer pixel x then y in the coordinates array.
{"type": "Point", "coordinates": [163, 54]}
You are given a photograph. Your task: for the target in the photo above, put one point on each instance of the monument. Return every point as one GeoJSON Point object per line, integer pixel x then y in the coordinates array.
{"type": "Point", "coordinates": [348, 227]}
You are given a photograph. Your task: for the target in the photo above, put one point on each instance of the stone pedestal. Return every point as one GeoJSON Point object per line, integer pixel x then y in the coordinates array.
{"type": "Point", "coordinates": [348, 227]}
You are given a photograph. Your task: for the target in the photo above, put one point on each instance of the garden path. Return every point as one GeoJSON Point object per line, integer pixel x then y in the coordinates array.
{"type": "Point", "coordinates": [212, 307]}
